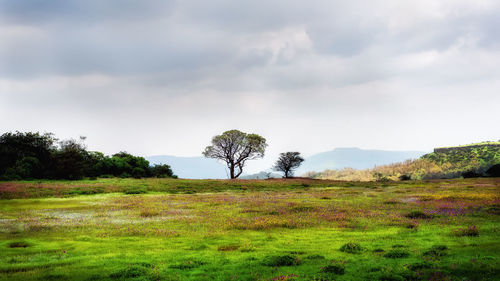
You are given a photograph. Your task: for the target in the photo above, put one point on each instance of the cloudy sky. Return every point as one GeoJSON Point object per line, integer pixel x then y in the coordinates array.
{"type": "Point", "coordinates": [163, 77]}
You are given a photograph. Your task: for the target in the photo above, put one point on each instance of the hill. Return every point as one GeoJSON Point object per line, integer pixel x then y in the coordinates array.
{"type": "Point", "coordinates": [261, 175]}
{"type": "Point", "coordinates": [474, 159]}
{"type": "Point", "coordinates": [192, 167]}
{"type": "Point", "coordinates": [355, 158]}
{"type": "Point", "coordinates": [203, 168]}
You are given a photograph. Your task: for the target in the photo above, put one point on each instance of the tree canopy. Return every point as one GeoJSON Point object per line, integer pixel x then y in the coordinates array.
{"type": "Point", "coordinates": [37, 156]}
{"type": "Point", "coordinates": [235, 148]}
{"type": "Point", "coordinates": [287, 162]}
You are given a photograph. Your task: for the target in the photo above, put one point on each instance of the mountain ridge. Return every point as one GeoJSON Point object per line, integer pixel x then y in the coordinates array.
{"type": "Point", "coordinates": [356, 158]}
{"type": "Point", "coordinates": [198, 167]}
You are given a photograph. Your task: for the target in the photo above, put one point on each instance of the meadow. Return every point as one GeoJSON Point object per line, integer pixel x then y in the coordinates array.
{"type": "Point", "coordinates": [298, 229]}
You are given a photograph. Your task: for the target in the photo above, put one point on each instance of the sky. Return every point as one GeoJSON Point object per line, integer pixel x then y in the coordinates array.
{"type": "Point", "coordinates": [163, 77]}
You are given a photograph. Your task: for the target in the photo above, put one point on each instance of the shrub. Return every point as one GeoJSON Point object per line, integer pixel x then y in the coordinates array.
{"type": "Point", "coordinates": [397, 254]}
{"type": "Point", "coordinates": [125, 175]}
{"type": "Point", "coordinates": [147, 213]}
{"type": "Point", "coordinates": [187, 265]}
{"type": "Point", "coordinates": [404, 177]}
{"type": "Point", "coordinates": [494, 171]}
{"type": "Point", "coordinates": [162, 171]}
{"type": "Point", "coordinates": [19, 244]}
{"type": "Point", "coordinates": [437, 251]}
{"type": "Point", "coordinates": [470, 231]}
{"type": "Point", "coordinates": [336, 268]}
{"type": "Point", "coordinates": [227, 248]}
{"type": "Point", "coordinates": [381, 177]}
{"type": "Point", "coordinates": [418, 215]}
{"type": "Point", "coordinates": [138, 172]}
{"type": "Point", "coordinates": [351, 247]}
{"type": "Point", "coordinates": [412, 225]}
{"type": "Point", "coordinates": [440, 247]}
{"type": "Point", "coordinates": [300, 209]}
{"type": "Point", "coordinates": [285, 260]}
{"type": "Point", "coordinates": [419, 266]}
{"type": "Point", "coordinates": [470, 174]}
{"type": "Point", "coordinates": [494, 210]}
{"type": "Point", "coordinates": [391, 277]}
{"type": "Point", "coordinates": [135, 190]}
{"type": "Point", "coordinates": [130, 272]}
{"type": "Point", "coordinates": [86, 190]}
{"type": "Point", "coordinates": [315, 257]}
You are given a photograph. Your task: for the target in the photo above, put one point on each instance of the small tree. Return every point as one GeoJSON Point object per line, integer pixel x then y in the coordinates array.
{"type": "Point", "coordinates": [235, 148]}
{"type": "Point", "coordinates": [287, 162]}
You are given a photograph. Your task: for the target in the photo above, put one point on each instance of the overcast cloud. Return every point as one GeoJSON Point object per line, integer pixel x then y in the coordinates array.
{"type": "Point", "coordinates": [163, 77]}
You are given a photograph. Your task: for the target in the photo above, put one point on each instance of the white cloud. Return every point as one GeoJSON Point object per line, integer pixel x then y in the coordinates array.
{"type": "Point", "coordinates": [160, 77]}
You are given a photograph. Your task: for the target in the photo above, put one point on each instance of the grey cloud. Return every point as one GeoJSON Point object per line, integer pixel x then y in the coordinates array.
{"type": "Point", "coordinates": [88, 11]}
{"type": "Point", "coordinates": [182, 37]}
{"type": "Point", "coordinates": [316, 68]}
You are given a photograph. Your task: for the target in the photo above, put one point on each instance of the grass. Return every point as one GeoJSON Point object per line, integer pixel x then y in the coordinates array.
{"type": "Point", "coordinates": [474, 144]}
{"type": "Point", "coordinates": [351, 247]}
{"type": "Point", "coordinates": [249, 230]}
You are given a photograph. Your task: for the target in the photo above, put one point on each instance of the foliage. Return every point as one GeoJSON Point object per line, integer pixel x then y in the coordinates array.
{"type": "Point", "coordinates": [351, 247]}
{"type": "Point", "coordinates": [17, 148]}
{"type": "Point", "coordinates": [418, 215]}
{"type": "Point", "coordinates": [494, 171]}
{"type": "Point", "coordinates": [235, 148]}
{"type": "Point", "coordinates": [476, 158]}
{"type": "Point", "coordinates": [135, 190]}
{"type": "Point", "coordinates": [283, 260]}
{"type": "Point", "coordinates": [397, 254]}
{"type": "Point", "coordinates": [335, 268]}
{"type": "Point", "coordinates": [468, 161]}
{"type": "Point", "coordinates": [287, 162]}
{"type": "Point", "coordinates": [38, 156]}
{"type": "Point", "coordinates": [19, 244]}
{"type": "Point", "coordinates": [470, 230]}
{"type": "Point", "coordinates": [437, 251]}
{"type": "Point", "coordinates": [162, 171]}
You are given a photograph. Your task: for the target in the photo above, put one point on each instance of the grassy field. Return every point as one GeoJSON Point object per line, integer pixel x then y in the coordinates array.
{"type": "Point", "coordinates": [165, 229]}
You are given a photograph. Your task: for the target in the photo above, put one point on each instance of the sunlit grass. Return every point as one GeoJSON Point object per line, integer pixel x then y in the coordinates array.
{"type": "Point", "coordinates": [269, 229]}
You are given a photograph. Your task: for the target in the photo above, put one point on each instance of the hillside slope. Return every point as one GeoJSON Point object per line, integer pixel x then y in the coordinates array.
{"type": "Point", "coordinates": [355, 158]}
{"type": "Point", "coordinates": [475, 158]}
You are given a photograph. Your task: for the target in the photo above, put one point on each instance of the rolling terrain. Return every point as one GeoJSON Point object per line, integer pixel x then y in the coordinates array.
{"type": "Point", "coordinates": [203, 168]}
{"type": "Point", "coordinates": [300, 229]}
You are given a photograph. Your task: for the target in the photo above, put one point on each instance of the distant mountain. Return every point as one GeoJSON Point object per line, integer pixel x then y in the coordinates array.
{"type": "Point", "coordinates": [192, 167]}
{"type": "Point", "coordinates": [261, 175]}
{"type": "Point", "coordinates": [354, 158]}
{"type": "Point", "coordinates": [203, 168]}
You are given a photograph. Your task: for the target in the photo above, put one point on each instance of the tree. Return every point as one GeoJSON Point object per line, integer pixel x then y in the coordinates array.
{"type": "Point", "coordinates": [70, 159]}
{"type": "Point", "coordinates": [494, 171]}
{"type": "Point", "coordinates": [287, 162]}
{"type": "Point", "coordinates": [162, 171]}
{"type": "Point", "coordinates": [15, 147]}
{"type": "Point", "coordinates": [235, 148]}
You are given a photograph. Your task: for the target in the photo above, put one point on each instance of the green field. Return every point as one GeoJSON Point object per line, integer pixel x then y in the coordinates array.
{"type": "Point", "coordinates": [167, 229]}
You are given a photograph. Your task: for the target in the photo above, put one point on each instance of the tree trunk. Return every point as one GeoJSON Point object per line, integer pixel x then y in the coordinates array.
{"type": "Point", "coordinates": [231, 171]}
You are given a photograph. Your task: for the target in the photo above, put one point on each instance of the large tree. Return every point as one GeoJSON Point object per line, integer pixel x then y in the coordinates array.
{"type": "Point", "coordinates": [27, 154]}
{"type": "Point", "coordinates": [235, 148]}
{"type": "Point", "coordinates": [287, 162]}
